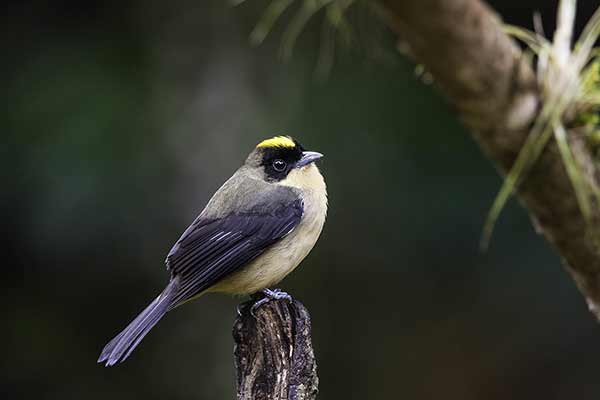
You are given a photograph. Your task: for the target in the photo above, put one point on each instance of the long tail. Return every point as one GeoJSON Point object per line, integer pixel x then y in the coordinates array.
{"type": "Point", "coordinates": [118, 349]}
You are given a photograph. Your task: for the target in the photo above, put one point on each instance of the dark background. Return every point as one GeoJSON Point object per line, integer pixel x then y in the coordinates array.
{"type": "Point", "coordinates": [120, 119]}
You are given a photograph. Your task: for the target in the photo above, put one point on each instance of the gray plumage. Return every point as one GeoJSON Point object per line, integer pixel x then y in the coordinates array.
{"type": "Point", "coordinates": [240, 243]}
{"type": "Point", "coordinates": [247, 191]}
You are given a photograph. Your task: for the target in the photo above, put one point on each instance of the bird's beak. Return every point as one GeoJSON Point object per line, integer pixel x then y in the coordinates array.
{"type": "Point", "coordinates": [307, 158]}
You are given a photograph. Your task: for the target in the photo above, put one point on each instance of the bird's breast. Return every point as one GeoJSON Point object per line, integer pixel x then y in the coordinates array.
{"type": "Point", "coordinates": [284, 256]}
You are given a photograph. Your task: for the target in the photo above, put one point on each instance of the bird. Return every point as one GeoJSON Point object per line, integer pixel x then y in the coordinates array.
{"type": "Point", "coordinates": [255, 230]}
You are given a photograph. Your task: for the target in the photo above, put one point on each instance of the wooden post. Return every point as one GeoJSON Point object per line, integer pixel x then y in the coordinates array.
{"type": "Point", "coordinates": [274, 358]}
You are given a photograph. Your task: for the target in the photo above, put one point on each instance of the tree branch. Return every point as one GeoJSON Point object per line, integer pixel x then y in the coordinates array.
{"type": "Point", "coordinates": [274, 358]}
{"type": "Point", "coordinates": [486, 78]}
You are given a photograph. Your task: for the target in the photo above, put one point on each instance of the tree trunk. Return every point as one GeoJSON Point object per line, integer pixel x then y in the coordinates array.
{"type": "Point", "coordinates": [485, 77]}
{"type": "Point", "coordinates": [274, 358]}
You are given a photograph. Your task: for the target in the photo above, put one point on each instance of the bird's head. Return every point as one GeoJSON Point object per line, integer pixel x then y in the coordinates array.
{"type": "Point", "coordinates": [281, 157]}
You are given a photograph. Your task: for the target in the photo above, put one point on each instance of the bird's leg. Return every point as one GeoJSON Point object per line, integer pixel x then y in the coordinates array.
{"type": "Point", "coordinates": [275, 294]}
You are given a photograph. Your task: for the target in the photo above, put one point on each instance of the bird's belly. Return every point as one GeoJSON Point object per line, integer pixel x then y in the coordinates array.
{"type": "Point", "coordinates": [279, 260]}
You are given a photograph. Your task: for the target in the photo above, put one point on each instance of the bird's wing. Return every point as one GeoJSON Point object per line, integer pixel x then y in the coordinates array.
{"type": "Point", "coordinates": [211, 249]}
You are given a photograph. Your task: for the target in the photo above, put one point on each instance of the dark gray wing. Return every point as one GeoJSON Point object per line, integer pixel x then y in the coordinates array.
{"type": "Point", "coordinates": [211, 249]}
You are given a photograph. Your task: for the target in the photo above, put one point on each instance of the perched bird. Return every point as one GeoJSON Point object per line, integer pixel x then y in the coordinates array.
{"type": "Point", "coordinates": [253, 232]}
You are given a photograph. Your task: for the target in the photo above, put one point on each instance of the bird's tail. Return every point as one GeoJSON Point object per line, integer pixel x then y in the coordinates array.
{"type": "Point", "coordinates": [118, 349]}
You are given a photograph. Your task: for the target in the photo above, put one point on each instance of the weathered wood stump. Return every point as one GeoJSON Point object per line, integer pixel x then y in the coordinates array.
{"type": "Point", "coordinates": [274, 358]}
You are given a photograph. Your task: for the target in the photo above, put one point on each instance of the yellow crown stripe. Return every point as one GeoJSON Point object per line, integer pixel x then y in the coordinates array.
{"type": "Point", "coordinates": [277, 141]}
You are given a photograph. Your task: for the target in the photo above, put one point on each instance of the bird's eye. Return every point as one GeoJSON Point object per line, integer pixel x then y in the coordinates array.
{"type": "Point", "coordinates": [279, 165]}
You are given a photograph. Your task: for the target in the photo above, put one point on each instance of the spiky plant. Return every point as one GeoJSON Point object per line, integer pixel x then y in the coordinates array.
{"type": "Point", "coordinates": [569, 82]}
{"type": "Point", "coordinates": [351, 23]}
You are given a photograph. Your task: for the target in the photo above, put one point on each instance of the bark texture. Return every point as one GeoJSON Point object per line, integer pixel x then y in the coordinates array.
{"type": "Point", "coordinates": [274, 358]}
{"type": "Point", "coordinates": [484, 76]}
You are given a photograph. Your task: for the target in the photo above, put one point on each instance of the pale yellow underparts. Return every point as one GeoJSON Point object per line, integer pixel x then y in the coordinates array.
{"type": "Point", "coordinates": [284, 256]}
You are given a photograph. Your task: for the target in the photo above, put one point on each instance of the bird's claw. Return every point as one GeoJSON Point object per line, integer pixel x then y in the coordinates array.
{"type": "Point", "coordinates": [275, 294]}
{"type": "Point", "coordinates": [240, 308]}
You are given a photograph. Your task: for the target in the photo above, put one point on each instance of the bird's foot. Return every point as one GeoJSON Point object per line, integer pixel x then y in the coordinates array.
{"type": "Point", "coordinates": [275, 294]}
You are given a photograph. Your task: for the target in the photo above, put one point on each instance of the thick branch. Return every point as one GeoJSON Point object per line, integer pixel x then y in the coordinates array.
{"type": "Point", "coordinates": [274, 357]}
{"type": "Point", "coordinates": [483, 74]}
